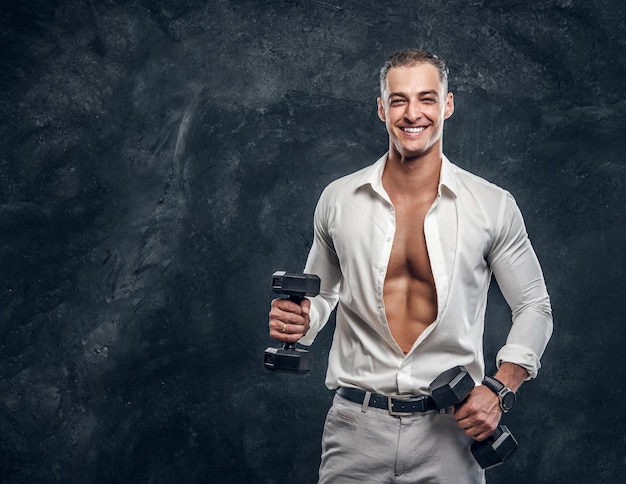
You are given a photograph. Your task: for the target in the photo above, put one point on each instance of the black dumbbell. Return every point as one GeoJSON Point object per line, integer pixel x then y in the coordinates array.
{"type": "Point", "coordinates": [452, 387]}
{"type": "Point", "coordinates": [295, 287]}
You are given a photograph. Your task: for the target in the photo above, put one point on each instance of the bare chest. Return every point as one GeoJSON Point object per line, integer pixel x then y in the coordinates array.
{"type": "Point", "coordinates": [409, 253]}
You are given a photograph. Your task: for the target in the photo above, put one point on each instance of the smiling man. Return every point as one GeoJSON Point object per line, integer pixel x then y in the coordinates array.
{"type": "Point", "coordinates": [405, 249]}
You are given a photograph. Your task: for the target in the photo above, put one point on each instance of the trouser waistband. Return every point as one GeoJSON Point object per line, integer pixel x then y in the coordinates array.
{"type": "Point", "coordinates": [395, 405]}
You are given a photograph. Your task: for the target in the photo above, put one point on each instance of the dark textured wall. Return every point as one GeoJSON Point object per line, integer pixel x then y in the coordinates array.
{"type": "Point", "coordinates": [160, 159]}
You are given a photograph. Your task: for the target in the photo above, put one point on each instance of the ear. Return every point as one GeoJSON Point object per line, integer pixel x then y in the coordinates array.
{"type": "Point", "coordinates": [381, 110]}
{"type": "Point", "coordinates": [449, 108]}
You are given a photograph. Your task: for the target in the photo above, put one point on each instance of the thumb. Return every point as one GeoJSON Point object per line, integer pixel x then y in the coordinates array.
{"type": "Point", "coordinates": [306, 306]}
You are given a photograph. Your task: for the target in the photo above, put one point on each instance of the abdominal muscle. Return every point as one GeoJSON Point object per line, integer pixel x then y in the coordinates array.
{"type": "Point", "coordinates": [410, 308]}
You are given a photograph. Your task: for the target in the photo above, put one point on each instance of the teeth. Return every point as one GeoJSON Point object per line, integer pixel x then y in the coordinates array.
{"type": "Point", "coordinates": [414, 130]}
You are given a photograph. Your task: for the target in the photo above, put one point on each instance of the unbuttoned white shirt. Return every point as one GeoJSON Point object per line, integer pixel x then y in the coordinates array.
{"type": "Point", "coordinates": [473, 229]}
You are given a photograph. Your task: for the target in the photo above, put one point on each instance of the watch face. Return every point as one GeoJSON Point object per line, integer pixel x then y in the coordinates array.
{"type": "Point", "coordinates": [508, 400]}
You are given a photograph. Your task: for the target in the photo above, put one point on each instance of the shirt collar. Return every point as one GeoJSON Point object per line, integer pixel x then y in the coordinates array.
{"type": "Point", "coordinates": [447, 177]}
{"type": "Point", "coordinates": [373, 175]}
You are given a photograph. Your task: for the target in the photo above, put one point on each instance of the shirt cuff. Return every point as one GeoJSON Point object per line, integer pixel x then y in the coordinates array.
{"type": "Point", "coordinates": [520, 355]}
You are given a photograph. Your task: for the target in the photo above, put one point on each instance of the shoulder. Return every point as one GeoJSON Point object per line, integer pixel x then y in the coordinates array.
{"type": "Point", "coordinates": [476, 189]}
{"type": "Point", "coordinates": [468, 180]}
{"type": "Point", "coordinates": [485, 200]}
{"type": "Point", "coordinates": [346, 195]}
{"type": "Point", "coordinates": [347, 185]}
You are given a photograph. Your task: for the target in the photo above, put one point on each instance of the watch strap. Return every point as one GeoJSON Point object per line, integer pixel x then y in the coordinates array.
{"type": "Point", "coordinates": [504, 393]}
{"type": "Point", "coordinates": [494, 384]}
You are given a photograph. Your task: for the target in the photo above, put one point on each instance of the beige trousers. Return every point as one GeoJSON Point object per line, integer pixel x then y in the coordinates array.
{"type": "Point", "coordinates": [368, 445]}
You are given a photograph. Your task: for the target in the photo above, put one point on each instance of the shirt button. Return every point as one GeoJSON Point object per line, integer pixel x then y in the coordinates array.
{"type": "Point", "coordinates": [388, 239]}
{"type": "Point", "coordinates": [381, 269]}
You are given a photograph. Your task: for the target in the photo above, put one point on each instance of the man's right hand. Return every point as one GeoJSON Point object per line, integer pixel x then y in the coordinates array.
{"type": "Point", "coordinates": [289, 321]}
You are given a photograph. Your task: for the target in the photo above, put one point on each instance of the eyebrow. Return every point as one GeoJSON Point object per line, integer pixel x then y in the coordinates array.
{"type": "Point", "coordinates": [431, 92]}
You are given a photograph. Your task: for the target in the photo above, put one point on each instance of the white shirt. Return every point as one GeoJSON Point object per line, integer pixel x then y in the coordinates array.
{"type": "Point", "coordinates": [473, 229]}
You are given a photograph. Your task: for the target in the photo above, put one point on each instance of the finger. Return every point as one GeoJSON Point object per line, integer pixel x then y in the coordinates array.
{"type": "Point", "coordinates": [279, 326]}
{"type": "Point", "coordinates": [276, 314]}
{"type": "Point", "coordinates": [460, 413]}
{"type": "Point", "coordinates": [480, 434]}
{"type": "Point", "coordinates": [287, 305]}
{"type": "Point", "coordinates": [286, 332]}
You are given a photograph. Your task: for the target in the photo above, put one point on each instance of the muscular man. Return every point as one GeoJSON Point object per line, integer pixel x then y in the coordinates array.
{"type": "Point", "coordinates": [406, 248]}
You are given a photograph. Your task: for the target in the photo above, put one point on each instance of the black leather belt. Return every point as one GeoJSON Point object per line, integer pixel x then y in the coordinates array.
{"type": "Point", "coordinates": [394, 405]}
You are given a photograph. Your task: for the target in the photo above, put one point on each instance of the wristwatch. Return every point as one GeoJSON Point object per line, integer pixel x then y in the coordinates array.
{"type": "Point", "coordinates": [505, 394]}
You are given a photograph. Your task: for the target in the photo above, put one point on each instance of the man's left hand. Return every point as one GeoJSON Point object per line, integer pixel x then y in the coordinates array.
{"type": "Point", "coordinates": [480, 414]}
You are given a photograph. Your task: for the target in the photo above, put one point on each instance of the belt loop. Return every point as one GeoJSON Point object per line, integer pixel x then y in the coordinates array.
{"type": "Point", "coordinates": [366, 401]}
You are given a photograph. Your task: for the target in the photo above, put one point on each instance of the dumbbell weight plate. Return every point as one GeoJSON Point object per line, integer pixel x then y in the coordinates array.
{"type": "Point", "coordinates": [495, 449]}
{"type": "Point", "coordinates": [451, 387]}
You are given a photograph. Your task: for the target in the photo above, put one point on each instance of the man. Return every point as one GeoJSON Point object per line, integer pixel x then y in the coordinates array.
{"type": "Point", "coordinates": [406, 248]}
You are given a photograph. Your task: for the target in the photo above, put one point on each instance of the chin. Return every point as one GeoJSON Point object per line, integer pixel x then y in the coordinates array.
{"type": "Point", "coordinates": [413, 154]}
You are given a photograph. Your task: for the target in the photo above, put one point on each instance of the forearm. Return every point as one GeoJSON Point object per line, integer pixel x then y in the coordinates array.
{"type": "Point", "coordinates": [511, 375]}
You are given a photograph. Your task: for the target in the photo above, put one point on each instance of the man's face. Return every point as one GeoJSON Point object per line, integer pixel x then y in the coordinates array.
{"type": "Point", "coordinates": [414, 107]}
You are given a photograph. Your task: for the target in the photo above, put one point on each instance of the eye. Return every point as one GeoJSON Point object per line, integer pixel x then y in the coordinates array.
{"type": "Point", "coordinates": [429, 100]}
{"type": "Point", "coordinates": [397, 102]}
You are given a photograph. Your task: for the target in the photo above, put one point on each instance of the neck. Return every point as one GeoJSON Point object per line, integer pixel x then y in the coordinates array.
{"type": "Point", "coordinates": [412, 175]}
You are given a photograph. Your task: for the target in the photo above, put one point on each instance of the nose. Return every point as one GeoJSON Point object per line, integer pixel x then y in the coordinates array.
{"type": "Point", "coordinates": [412, 112]}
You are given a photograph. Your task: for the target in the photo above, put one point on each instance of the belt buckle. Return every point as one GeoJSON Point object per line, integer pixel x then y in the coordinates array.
{"type": "Point", "coordinates": [392, 412]}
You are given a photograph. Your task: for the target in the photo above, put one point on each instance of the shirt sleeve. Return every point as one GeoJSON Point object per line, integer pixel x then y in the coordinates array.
{"type": "Point", "coordinates": [519, 276]}
{"type": "Point", "coordinates": [323, 262]}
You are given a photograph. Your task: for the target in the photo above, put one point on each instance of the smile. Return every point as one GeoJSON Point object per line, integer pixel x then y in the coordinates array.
{"type": "Point", "coordinates": [413, 130]}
